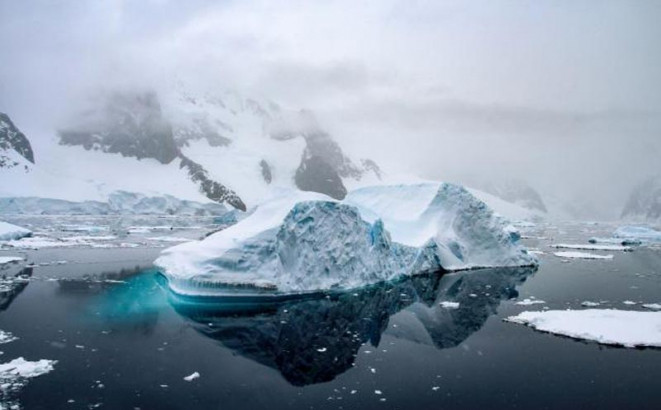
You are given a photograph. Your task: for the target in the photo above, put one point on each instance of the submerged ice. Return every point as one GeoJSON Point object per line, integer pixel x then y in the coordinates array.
{"type": "Point", "coordinates": [300, 242]}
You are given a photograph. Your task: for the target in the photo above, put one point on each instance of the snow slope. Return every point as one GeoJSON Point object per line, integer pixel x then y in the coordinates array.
{"type": "Point", "coordinates": [188, 144]}
{"type": "Point", "coordinates": [299, 242]}
{"type": "Point", "coordinates": [605, 326]}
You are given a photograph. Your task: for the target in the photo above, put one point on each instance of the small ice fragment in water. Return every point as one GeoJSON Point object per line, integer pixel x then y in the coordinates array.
{"type": "Point", "coordinates": [435, 388]}
{"type": "Point", "coordinates": [527, 302]}
{"type": "Point", "coordinates": [587, 303]}
{"type": "Point", "coordinates": [6, 337]}
{"type": "Point", "coordinates": [379, 392]}
{"type": "Point", "coordinates": [192, 377]}
{"type": "Point", "coordinates": [653, 306]}
{"type": "Point", "coordinates": [449, 305]}
{"type": "Point", "coordinates": [322, 349]}
{"type": "Point", "coordinates": [629, 302]}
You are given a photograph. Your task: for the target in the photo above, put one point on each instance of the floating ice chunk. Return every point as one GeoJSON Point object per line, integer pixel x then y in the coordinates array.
{"type": "Point", "coordinates": [528, 302]}
{"type": "Point", "coordinates": [641, 233]}
{"type": "Point", "coordinates": [449, 305]}
{"type": "Point", "coordinates": [629, 302]}
{"type": "Point", "coordinates": [605, 326]}
{"type": "Point", "coordinates": [10, 259]}
{"type": "Point", "coordinates": [192, 377]}
{"type": "Point", "coordinates": [299, 242]}
{"type": "Point", "coordinates": [10, 232]}
{"type": "Point", "coordinates": [653, 306]}
{"type": "Point", "coordinates": [592, 247]}
{"type": "Point", "coordinates": [588, 303]}
{"type": "Point", "coordinates": [23, 368]}
{"type": "Point", "coordinates": [6, 337]}
{"type": "Point", "coordinates": [581, 255]}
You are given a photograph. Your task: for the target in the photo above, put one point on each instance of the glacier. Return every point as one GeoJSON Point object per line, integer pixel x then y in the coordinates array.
{"type": "Point", "coordinates": [299, 242]}
{"type": "Point", "coordinates": [117, 203]}
{"type": "Point", "coordinates": [10, 232]}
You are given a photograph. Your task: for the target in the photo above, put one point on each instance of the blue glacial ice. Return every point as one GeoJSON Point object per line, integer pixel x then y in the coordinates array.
{"type": "Point", "coordinates": [303, 242]}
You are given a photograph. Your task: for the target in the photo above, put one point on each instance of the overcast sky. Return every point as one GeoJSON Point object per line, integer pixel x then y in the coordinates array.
{"type": "Point", "coordinates": [563, 94]}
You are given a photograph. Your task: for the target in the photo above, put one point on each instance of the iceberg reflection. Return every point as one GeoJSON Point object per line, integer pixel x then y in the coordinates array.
{"type": "Point", "coordinates": [315, 339]}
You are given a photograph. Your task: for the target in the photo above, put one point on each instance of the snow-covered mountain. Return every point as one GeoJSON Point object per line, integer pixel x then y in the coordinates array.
{"type": "Point", "coordinates": [644, 203]}
{"type": "Point", "coordinates": [15, 148]}
{"type": "Point", "coordinates": [514, 191]}
{"type": "Point", "coordinates": [221, 147]}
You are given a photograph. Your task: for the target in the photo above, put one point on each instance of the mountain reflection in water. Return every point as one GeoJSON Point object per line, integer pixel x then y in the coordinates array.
{"type": "Point", "coordinates": [314, 340]}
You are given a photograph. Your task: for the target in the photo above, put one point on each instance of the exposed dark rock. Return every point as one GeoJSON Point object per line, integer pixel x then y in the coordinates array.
{"type": "Point", "coordinates": [316, 175]}
{"type": "Point", "coordinates": [11, 138]}
{"type": "Point", "coordinates": [266, 171]}
{"type": "Point", "coordinates": [212, 189]}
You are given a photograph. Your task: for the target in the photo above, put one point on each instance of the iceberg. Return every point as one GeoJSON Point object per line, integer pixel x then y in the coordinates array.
{"type": "Point", "coordinates": [9, 232]}
{"type": "Point", "coordinates": [301, 242]}
{"type": "Point", "coordinates": [639, 233]}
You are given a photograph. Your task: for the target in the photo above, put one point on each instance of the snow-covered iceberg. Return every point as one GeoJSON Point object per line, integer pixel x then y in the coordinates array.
{"type": "Point", "coordinates": [301, 242]}
{"type": "Point", "coordinates": [10, 232]}
{"type": "Point", "coordinates": [640, 233]}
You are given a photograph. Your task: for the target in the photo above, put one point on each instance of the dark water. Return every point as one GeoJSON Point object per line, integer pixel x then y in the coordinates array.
{"type": "Point", "coordinates": [123, 342]}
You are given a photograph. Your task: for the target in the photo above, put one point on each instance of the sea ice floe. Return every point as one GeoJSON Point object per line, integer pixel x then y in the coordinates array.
{"type": "Point", "coordinates": [581, 255]}
{"type": "Point", "coordinates": [528, 302]}
{"type": "Point", "coordinates": [10, 259]}
{"type": "Point", "coordinates": [590, 247]}
{"type": "Point", "coordinates": [605, 326]}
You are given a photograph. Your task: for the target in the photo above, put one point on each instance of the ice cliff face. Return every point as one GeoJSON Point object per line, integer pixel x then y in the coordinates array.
{"type": "Point", "coordinates": [118, 203]}
{"type": "Point", "coordinates": [298, 243]}
{"type": "Point", "coordinates": [644, 203]}
{"type": "Point", "coordinates": [15, 148]}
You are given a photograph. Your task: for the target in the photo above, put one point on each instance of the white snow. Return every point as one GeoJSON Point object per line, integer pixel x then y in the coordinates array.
{"type": "Point", "coordinates": [192, 377]}
{"type": "Point", "coordinates": [605, 326]}
{"type": "Point", "coordinates": [591, 247]}
{"type": "Point", "coordinates": [581, 255]}
{"type": "Point", "coordinates": [298, 241]}
{"type": "Point", "coordinates": [528, 302]}
{"type": "Point", "coordinates": [12, 232]}
{"type": "Point", "coordinates": [9, 259]}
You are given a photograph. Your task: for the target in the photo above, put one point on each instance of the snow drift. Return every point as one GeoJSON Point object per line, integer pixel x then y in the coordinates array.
{"type": "Point", "coordinates": [300, 242]}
